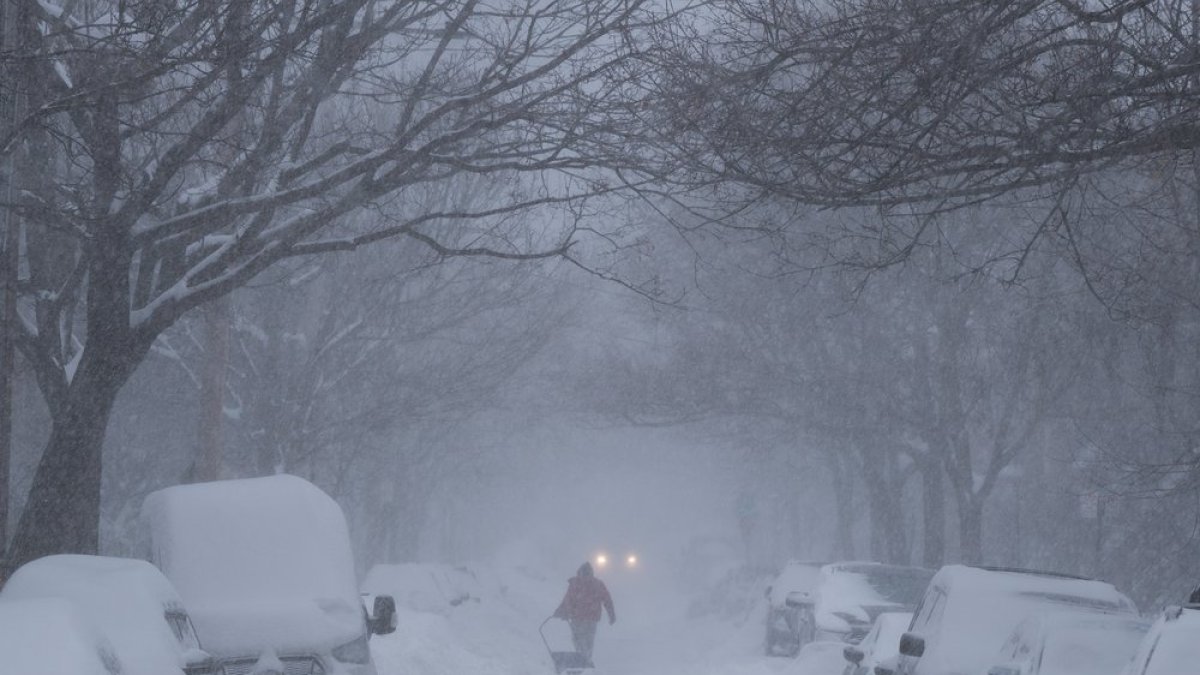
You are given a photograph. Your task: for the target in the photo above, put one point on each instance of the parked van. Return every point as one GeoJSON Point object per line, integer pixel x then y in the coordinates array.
{"type": "Point", "coordinates": [264, 566]}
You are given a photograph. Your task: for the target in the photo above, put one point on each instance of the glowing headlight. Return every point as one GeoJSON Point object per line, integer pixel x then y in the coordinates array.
{"type": "Point", "coordinates": [631, 561]}
{"type": "Point", "coordinates": [601, 560]}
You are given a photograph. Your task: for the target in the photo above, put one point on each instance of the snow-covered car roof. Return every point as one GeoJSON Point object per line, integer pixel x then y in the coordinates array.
{"type": "Point", "coordinates": [49, 636]}
{"type": "Point", "coordinates": [1053, 588]}
{"type": "Point", "coordinates": [984, 606]}
{"type": "Point", "coordinates": [259, 562]}
{"type": "Point", "coordinates": [1172, 646]}
{"type": "Point", "coordinates": [129, 601]}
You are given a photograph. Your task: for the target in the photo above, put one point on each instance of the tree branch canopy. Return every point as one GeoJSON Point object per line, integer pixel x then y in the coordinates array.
{"type": "Point", "coordinates": [201, 142]}
{"type": "Point", "coordinates": [886, 102]}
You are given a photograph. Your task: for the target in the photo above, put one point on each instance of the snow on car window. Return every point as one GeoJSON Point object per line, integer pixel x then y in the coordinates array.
{"type": "Point", "coordinates": [1089, 648]}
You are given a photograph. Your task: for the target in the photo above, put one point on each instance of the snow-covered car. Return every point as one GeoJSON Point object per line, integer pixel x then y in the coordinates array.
{"type": "Point", "coordinates": [1172, 646]}
{"type": "Point", "coordinates": [849, 596]}
{"type": "Point", "coordinates": [49, 636]}
{"type": "Point", "coordinates": [264, 565]}
{"type": "Point", "coordinates": [1071, 643]}
{"type": "Point", "coordinates": [127, 601]}
{"type": "Point", "coordinates": [821, 657]}
{"type": "Point", "coordinates": [797, 580]}
{"type": "Point", "coordinates": [968, 613]}
{"type": "Point", "coordinates": [881, 643]}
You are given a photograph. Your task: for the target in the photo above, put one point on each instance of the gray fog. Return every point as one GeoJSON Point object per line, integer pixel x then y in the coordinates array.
{"type": "Point", "coordinates": [783, 317]}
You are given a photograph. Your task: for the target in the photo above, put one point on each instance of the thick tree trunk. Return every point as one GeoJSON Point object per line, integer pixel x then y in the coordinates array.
{"type": "Point", "coordinates": [933, 499]}
{"type": "Point", "coordinates": [62, 514]}
{"type": "Point", "coordinates": [889, 542]}
{"type": "Point", "coordinates": [970, 530]}
{"type": "Point", "coordinates": [843, 486]}
{"type": "Point", "coordinates": [8, 363]}
{"type": "Point", "coordinates": [14, 22]}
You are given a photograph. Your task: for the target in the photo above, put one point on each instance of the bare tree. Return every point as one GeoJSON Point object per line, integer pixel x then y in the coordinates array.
{"type": "Point", "coordinates": [185, 147]}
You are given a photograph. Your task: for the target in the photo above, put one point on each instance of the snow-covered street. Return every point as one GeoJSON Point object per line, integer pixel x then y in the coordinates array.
{"type": "Point", "coordinates": [496, 632]}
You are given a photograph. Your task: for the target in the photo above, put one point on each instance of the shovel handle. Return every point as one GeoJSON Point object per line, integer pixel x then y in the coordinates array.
{"type": "Point", "coordinates": [542, 632]}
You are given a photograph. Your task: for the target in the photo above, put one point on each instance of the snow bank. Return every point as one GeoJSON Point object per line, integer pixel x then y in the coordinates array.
{"type": "Point", "coordinates": [737, 596]}
{"type": "Point", "coordinates": [455, 619]}
{"type": "Point", "coordinates": [127, 600]}
{"type": "Point", "coordinates": [431, 588]}
{"type": "Point", "coordinates": [48, 636]}
{"type": "Point", "coordinates": [823, 657]}
{"type": "Point", "coordinates": [260, 562]}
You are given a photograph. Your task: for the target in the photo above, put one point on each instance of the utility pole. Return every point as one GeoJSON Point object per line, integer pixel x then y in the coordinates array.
{"type": "Point", "coordinates": [10, 112]}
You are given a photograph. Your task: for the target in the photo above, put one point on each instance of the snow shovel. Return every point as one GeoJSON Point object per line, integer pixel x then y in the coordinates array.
{"type": "Point", "coordinates": [565, 663]}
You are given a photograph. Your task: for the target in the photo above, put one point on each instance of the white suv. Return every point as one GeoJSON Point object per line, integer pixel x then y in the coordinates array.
{"type": "Point", "coordinates": [968, 613]}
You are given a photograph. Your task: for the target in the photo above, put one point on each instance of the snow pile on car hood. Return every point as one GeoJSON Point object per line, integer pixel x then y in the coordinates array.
{"type": "Point", "coordinates": [288, 627]}
{"type": "Point", "coordinates": [47, 636]}
{"type": "Point", "coordinates": [274, 551]}
{"type": "Point", "coordinates": [125, 599]}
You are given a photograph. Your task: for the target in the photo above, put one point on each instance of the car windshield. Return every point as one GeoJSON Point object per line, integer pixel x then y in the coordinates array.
{"type": "Point", "coordinates": [899, 585]}
{"type": "Point", "coordinates": [884, 584]}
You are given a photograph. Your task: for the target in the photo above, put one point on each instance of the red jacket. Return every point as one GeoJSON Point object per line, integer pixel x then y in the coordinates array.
{"type": "Point", "coordinates": [583, 600]}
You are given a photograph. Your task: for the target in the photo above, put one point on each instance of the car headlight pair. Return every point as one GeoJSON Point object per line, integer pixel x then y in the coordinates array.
{"type": "Point", "coordinates": [631, 560]}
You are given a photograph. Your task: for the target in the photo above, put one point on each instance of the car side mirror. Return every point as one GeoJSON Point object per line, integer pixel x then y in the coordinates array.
{"type": "Point", "coordinates": [1006, 669]}
{"type": "Point", "coordinates": [797, 599]}
{"type": "Point", "coordinates": [912, 645]}
{"type": "Point", "coordinates": [383, 620]}
{"type": "Point", "coordinates": [853, 655]}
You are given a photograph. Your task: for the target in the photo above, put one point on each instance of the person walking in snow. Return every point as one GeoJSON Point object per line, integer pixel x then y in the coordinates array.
{"type": "Point", "coordinates": [580, 607]}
